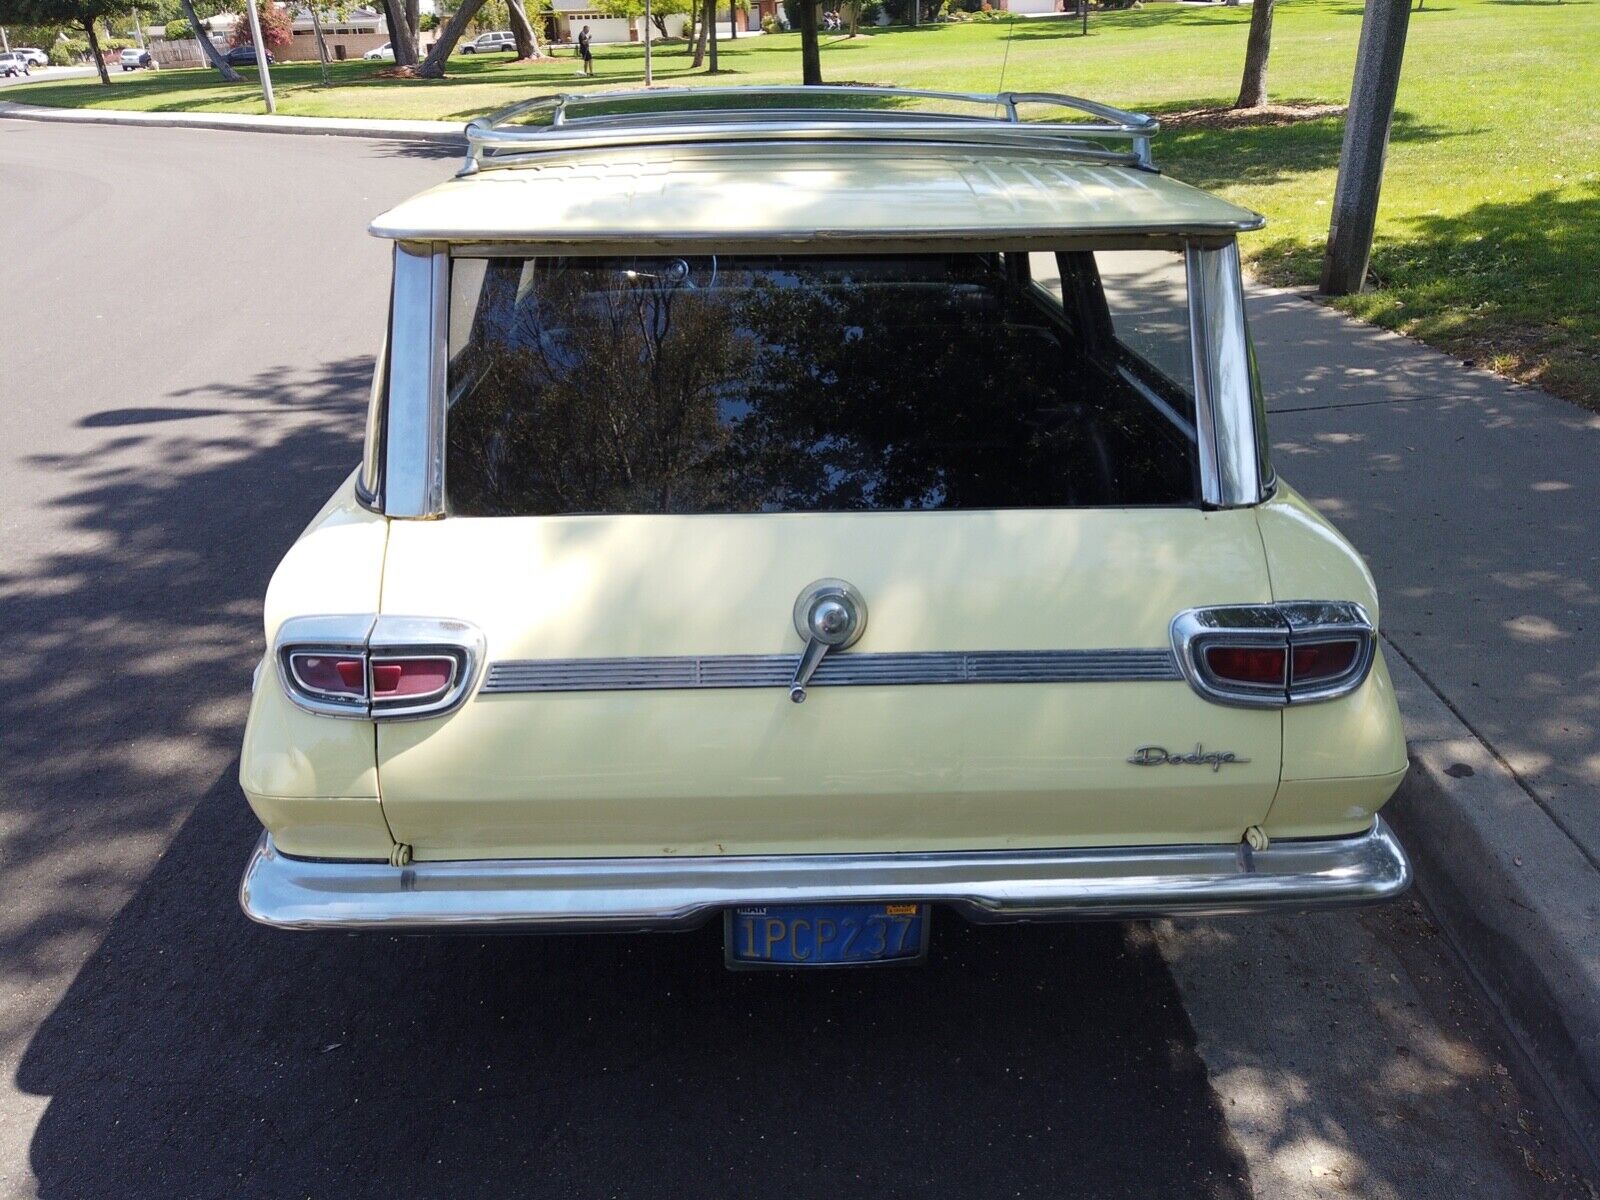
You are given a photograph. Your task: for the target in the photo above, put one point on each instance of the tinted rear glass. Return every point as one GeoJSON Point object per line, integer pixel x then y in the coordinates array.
{"type": "Point", "coordinates": [770, 384]}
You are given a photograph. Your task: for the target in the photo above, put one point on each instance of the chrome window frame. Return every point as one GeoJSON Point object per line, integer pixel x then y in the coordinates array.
{"type": "Point", "coordinates": [1225, 390]}
{"type": "Point", "coordinates": [1230, 413]}
{"type": "Point", "coordinates": [419, 323]}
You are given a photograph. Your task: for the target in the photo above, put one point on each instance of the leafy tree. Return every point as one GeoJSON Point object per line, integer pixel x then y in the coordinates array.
{"type": "Point", "coordinates": [179, 30]}
{"type": "Point", "coordinates": [277, 27]}
{"type": "Point", "coordinates": [82, 14]}
{"type": "Point", "coordinates": [660, 10]}
{"type": "Point", "coordinates": [1253, 87]}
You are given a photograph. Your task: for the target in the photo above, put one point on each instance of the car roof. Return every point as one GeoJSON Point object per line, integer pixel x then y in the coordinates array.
{"type": "Point", "coordinates": [812, 165]}
{"type": "Point", "coordinates": [807, 193]}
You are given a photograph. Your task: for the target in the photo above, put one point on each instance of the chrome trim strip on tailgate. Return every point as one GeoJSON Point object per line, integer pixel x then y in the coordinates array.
{"type": "Point", "coordinates": [838, 670]}
{"type": "Point", "coordinates": [580, 894]}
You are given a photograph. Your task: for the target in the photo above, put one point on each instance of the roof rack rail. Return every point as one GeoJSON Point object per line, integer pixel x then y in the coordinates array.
{"type": "Point", "coordinates": [560, 123]}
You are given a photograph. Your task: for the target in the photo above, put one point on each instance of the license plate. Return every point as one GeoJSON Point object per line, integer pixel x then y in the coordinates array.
{"type": "Point", "coordinates": [825, 935]}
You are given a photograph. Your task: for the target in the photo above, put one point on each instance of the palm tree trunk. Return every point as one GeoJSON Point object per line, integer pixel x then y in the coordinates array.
{"type": "Point", "coordinates": [433, 67]}
{"type": "Point", "coordinates": [1253, 88]}
{"type": "Point", "coordinates": [711, 20]}
{"type": "Point", "coordinates": [522, 29]}
{"type": "Point", "coordinates": [207, 46]}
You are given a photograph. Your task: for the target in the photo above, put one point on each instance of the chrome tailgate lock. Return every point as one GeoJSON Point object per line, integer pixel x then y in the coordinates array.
{"type": "Point", "coordinates": [829, 614]}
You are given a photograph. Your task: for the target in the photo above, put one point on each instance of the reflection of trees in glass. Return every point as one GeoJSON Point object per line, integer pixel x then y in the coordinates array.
{"type": "Point", "coordinates": [787, 385]}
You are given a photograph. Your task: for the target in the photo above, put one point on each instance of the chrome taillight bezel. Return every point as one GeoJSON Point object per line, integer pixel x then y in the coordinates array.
{"type": "Point", "coordinates": [1285, 624]}
{"type": "Point", "coordinates": [375, 640]}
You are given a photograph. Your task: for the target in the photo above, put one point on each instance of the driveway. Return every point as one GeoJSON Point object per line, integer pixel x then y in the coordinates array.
{"type": "Point", "coordinates": [167, 433]}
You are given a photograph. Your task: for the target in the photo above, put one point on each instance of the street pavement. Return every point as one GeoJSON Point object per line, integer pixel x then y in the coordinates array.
{"type": "Point", "coordinates": [188, 323]}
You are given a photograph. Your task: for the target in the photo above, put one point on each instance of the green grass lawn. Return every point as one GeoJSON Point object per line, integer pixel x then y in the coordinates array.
{"type": "Point", "coordinates": [1489, 237]}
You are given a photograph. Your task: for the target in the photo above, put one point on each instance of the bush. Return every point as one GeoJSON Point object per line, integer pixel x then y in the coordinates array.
{"type": "Point", "coordinates": [60, 56]}
{"type": "Point", "coordinates": [178, 30]}
{"type": "Point", "coordinates": [769, 24]}
{"type": "Point", "coordinates": [870, 12]}
{"type": "Point", "coordinates": [110, 46]}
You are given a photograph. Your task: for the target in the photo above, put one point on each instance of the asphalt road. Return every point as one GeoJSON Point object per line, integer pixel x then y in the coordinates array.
{"type": "Point", "coordinates": [188, 323]}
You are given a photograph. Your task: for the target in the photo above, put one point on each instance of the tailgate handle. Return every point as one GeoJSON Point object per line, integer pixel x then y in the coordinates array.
{"type": "Point", "coordinates": [829, 614]}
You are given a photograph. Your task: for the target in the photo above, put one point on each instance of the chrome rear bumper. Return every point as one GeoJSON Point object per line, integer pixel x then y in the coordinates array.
{"type": "Point", "coordinates": [575, 894]}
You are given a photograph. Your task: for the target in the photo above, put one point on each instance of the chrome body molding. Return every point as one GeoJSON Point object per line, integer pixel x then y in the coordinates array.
{"type": "Point", "coordinates": [580, 894]}
{"type": "Point", "coordinates": [836, 670]}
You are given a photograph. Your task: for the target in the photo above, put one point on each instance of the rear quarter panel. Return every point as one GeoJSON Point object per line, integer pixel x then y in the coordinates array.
{"type": "Point", "coordinates": [312, 780]}
{"type": "Point", "coordinates": [1343, 759]}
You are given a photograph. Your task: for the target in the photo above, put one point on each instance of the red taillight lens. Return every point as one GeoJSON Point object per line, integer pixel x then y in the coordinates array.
{"type": "Point", "coordinates": [1324, 660]}
{"type": "Point", "coordinates": [393, 678]}
{"type": "Point", "coordinates": [1259, 666]}
{"type": "Point", "coordinates": [335, 676]}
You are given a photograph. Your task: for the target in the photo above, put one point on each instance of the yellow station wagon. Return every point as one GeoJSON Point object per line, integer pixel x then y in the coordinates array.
{"type": "Point", "coordinates": [808, 508]}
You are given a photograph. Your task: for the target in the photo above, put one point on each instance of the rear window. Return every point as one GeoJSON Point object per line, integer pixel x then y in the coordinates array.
{"type": "Point", "coordinates": [723, 384]}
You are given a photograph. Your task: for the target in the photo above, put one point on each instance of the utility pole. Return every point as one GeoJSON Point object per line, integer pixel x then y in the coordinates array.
{"type": "Point", "coordinates": [1366, 143]}
{"type": "Point", "coordinates": [261, 55]}
{"type": "Point", "coordinates": [138, 29]}
{"type": "Point", "coordinates": [649, 80]}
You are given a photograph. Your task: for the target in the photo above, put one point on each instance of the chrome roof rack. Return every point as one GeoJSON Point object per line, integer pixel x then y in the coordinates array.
{"type": "Point", "coordinates": [554, 124]}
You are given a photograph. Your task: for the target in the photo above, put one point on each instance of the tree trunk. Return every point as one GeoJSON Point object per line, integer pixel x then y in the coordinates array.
{"type": "Point", "coordinates": [733, 20]}
{"type": "Point", "coordinates": [402, 38]}
{"type": "Point", "coordinates": [522, 29]}
{"type": "Point", "coordinates": [700, 44]}
{"type": "Point", "coordinates": [433, 68]}
{"type": "Point", "coordinates": [94, 49]}
{"type": "Point", "coordinates": [414, 23]}
{"type": "Point", "coordinates": [810, 52]}
{"type": "Point", "coordinates": [1253, 89]}
{"type": "Point", "coordinates": [207, 47]}
{"type": "Point", "coordinates": [711, 20]}
{"type": "Point", "coordinates": [322, 46]}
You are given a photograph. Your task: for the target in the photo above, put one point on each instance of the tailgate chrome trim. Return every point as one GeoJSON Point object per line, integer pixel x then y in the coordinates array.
{"type": "Point", "coordinates": [581, 894]}
{"type": "Point", "coordinates": [837, 670]}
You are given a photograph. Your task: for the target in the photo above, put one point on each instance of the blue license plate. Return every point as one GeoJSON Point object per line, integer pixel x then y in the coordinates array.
{"type": "Point", "coordinates": [825, 935]}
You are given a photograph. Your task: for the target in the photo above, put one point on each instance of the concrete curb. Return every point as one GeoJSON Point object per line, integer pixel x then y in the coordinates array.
{"type": "Point", "coordinates": [1518, 897]}
{"type": "Point", "coordinates": [441, 132]}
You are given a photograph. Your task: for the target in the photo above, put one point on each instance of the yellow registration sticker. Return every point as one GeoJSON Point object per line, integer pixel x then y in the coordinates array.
{"type": "Point", "coordinates": [900, 910]}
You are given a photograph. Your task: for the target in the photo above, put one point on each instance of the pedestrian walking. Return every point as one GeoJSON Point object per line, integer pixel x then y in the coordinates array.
{"type": "Point", "coordinates": [583, 49]}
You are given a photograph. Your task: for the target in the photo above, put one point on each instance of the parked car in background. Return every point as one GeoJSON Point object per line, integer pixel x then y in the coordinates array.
{"type": "Point", "coordinates": [35, 57]}
{"type": "Point", "coordinates": [133, 59]}
{"type": "Point", "coordinates": [14, 64]}
{"type": "Point", "coordinates": [383, 53]}
{"type": "Point", "coordinates": [489, 43]}
{"type": "Point", "coordinates": [584, 641]}
{"type": "Point", "coordinates": [245, 56]}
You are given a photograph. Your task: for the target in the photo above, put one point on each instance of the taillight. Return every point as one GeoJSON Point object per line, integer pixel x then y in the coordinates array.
{"type": "Point", "coordinates": [1258, 666]}
{"type": "Point", "coordinates": [1323, 660]}
{"type": "Point", "coordinates": [1270, 655]}
{"type": "Point", "coordinates": [378, 668]}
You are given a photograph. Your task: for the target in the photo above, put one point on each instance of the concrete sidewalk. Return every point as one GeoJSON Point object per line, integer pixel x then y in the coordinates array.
{"type": "Point", "coordinates": [1475, 501]}
{"type": "Point", "coordinates": [444, 132]}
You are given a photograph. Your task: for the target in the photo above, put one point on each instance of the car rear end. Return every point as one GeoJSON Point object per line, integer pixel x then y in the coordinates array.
{"type": "Point", "coordinates": [821, 564]}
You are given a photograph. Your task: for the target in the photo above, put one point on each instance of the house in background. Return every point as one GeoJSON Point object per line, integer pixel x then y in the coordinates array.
{"type": "Point", "coordinates": [349, 33]}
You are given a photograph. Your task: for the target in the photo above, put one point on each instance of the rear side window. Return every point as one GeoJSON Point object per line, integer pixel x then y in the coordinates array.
{"type": "Point", "coordinates": [808, 384]}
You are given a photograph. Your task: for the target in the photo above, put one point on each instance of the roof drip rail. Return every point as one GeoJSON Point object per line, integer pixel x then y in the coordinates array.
{"type": "Point", "coordinates": [675, 116]}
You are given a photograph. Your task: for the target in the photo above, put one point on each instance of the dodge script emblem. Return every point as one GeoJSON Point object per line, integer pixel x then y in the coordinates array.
{"type": "Point", "coordinates": [1158, 756]}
